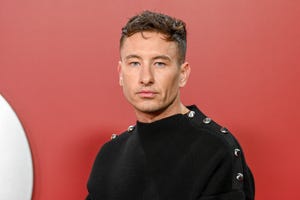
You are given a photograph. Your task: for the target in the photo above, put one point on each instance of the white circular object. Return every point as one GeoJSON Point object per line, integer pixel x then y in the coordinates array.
{"type": "Point", "coordinates": [16, 170]}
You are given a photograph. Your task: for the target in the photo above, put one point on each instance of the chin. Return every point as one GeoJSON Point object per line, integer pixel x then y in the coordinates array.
{"type": "Point", "coordinates": [150, 108]}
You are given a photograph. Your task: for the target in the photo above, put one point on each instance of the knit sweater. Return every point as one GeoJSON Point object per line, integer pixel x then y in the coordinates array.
{"type": "Point", "coordinates": [181, 157]}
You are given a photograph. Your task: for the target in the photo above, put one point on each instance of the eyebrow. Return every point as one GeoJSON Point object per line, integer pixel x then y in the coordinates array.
{"type": "Point", "coordinates": [163, 57]}
{"type": "Point", "coordinates": [132, 56]}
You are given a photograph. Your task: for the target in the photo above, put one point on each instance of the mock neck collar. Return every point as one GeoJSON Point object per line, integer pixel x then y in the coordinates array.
{"type": "Point", "coordinates": [168, 124]}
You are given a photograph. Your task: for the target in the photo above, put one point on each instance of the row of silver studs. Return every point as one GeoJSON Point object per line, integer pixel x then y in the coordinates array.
{"type": "Point", "coordinates": [130, 129]}
{"type": "Point", "coordinates": [237, 152]}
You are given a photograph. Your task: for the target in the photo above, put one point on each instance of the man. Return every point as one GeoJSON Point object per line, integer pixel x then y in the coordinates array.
{"type": "Point", "coordinates": [173, 152]}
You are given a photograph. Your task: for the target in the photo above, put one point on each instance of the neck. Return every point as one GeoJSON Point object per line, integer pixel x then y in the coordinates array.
{"type": "Point", "coordinates": [154, 116]}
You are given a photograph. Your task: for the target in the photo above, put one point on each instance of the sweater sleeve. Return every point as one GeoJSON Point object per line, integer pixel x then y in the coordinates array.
{"type": "Point", "coordinates": [228, 183]}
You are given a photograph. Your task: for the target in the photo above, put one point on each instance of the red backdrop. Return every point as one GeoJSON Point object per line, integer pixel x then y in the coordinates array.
{"type": "Point", "coordinates": [58, 69]}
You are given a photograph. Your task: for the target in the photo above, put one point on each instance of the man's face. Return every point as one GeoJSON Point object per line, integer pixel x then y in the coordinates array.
{"type": "Point", "coordinates": [150, 73]}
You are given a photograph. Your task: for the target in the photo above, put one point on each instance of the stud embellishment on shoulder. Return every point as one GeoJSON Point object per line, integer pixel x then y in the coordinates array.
{"type": "Point", "coordinates": [130, 128]}
{"type": "Point", "coordinates": [237, 152]}
{"type": "Point", "coordinates": [113, 136]}
{"type": "Point", "coordinates": [206, 120]}
{"type": "Point", "coordinates": [239, 177]}
{"type": "Point", "coordinates": [191, 114]}
{"type": "Point", "coordinates": [224, 130]}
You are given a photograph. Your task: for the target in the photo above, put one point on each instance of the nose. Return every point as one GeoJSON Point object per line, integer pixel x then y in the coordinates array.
{"type": "Point", "coordinates": [146, 75]}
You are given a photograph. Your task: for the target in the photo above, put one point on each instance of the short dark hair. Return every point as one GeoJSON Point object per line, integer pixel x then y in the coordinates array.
{"type": "Point", "coordinates": [174, 29]}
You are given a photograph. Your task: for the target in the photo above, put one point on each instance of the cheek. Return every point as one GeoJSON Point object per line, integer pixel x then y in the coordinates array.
{"type": "Point", "coordinates": [128, 86]}
{"type": "Point", "coordinates": [170, 85]}
{"type": "Point", "coordinates": [126, 92]}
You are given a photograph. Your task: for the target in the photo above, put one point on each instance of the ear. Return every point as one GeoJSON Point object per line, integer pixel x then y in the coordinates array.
{"type": "Point", "coordinates": [184, 74]}
{"type": "Point", "coordinates": [120, 73]}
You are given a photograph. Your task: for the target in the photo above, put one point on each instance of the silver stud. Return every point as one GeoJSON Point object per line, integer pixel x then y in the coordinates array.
{"type": "Point", "coordinates": [191, 114]}
{"type": "Point", "coordinates": [130, 128]}
{"type": "Point", "coordinates": [224, 130]}
{"type": "Point", "coordinates": [113, 136]}
{"type": "Point", "coordinates": [206, 120]}
{"type": "Point", "coordinates": [237, 152]}
{"type": "Point", "coordinates": [239, 177]}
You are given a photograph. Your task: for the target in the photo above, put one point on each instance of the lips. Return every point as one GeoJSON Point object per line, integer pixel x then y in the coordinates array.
{"type": "Point", "coordinates": [147, 93]}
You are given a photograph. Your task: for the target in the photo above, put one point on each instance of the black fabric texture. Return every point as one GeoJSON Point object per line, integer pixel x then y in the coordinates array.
{"type": "Point", "coordinates": [178, 157]}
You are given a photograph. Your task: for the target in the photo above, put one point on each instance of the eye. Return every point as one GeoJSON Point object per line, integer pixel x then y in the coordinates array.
{"type": "Point", "coordinates": [160, 64]}
{"type": "Point", "coordinates": [134, 64]}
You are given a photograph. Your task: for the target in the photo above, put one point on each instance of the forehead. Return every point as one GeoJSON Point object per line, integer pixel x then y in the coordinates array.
{"type": "Point", "coordinates": [148, 43]}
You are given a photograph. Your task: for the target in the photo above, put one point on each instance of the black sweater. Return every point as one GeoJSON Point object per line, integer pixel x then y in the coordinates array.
{"type": "Point", "coordinates": [181, 157]}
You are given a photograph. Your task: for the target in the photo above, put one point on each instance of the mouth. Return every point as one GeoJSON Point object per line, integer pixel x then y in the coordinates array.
{"type": "Point", "coordinates": [147, 94]}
